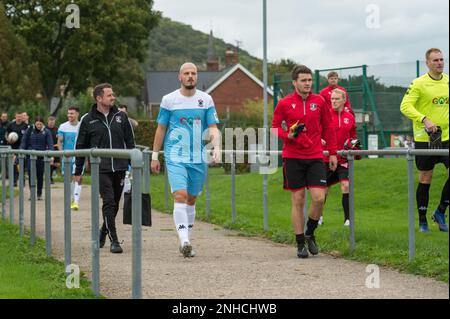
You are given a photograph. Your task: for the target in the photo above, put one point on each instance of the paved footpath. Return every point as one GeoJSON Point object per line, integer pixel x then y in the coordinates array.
{"type": "Point", "coordinates": [226, 266]}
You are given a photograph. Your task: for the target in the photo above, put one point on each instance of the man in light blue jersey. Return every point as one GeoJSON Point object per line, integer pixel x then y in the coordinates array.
{"type": "Point", "coordinates": [67, 137]}
{"type": "Point", "coordinates": [187, 118]}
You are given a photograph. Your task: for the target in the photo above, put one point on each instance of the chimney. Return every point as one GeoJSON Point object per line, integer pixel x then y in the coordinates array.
{"type": "Point", "coordinates": [231, 57]}
{"type": "Point", "coordinates": [212, 62]}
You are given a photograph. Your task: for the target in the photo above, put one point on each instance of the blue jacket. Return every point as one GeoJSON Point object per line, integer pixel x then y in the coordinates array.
{"type": "Point", "coordinates": [39, 140]}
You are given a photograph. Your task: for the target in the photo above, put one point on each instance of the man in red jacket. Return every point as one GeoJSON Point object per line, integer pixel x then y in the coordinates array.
{"type": "Point", "coordinates": [333, 79]}
{"type": "Point", "coordinates": [308, 121]}
{"type": "Point", "coordinates": [345, 127]}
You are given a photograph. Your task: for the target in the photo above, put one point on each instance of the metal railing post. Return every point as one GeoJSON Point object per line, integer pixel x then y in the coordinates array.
{"type": "Point", "coordinates": [305, 210]}
{"type": "Point", "coordinates": [411, 239]}
{"type": "Point", "coordinates": [95, 187]}
{"type": "Point", "coordinates": [67, 216]}
{"type": "Point", "coordinates": [146, 172]}
{"type": "Point", "coordinates": [32, 173]}
{"type": "Point", "coordinates": [48, 207]}
{"type": "Point", "coordinates": [136, 194]}
{"type": "Point", "coordinates": [3, 157]}
{"type": "Point", "coordinates": [351, 197]}
{"type": "Point", "coordinates": [11, 187]}
{"type": "Point", "coordinates": [233, 188]}
{"type": "Point", "coordinates": [207, 194]}
{"type": "Point", "coordinates": [266, 201]}
{"type": "Point", "coordinates": [21, 195]}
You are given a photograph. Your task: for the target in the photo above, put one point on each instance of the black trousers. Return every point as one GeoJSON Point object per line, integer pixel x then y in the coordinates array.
{"type": "Point", "coordinates": [111, 186]}
{"type": "Point", "coordinates": [39, 174]}
{"type": "Point", "coordinates": [26, 164]}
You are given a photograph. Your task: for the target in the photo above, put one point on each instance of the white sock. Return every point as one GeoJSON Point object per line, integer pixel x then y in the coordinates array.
{"type": "Point", "coordinates": [190, 210]}
{"type": "Point", "coordinates": [181, 222]}
{"type": "Point", "coordinates": [76, 192]}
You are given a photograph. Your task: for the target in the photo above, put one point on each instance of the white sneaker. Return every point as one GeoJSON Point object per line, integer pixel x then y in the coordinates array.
{"type": "Point", "coordinates": [186, 249]}
{"type": "Point", "coordinates": [320, 222]}
{"type": "Point", "coordinates": [347, 222]}
{"type": "Point", "coordinates": [193, 253]}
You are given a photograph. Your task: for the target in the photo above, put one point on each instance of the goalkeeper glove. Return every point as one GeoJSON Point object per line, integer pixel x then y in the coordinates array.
{"type": "Point", "coordinates": [297, 128]}
{"type": "Point", "coordinates": [353, 144]}
{"type": "Point", "coordinates": [435, 139]}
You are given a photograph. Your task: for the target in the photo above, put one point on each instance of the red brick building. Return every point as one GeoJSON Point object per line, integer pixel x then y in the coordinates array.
{"type": "Point", "coordinates": [230, 87]}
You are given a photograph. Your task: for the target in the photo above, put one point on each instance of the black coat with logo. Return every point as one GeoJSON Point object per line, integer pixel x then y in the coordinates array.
{"type": "Point", "coordinates": [97, 131]}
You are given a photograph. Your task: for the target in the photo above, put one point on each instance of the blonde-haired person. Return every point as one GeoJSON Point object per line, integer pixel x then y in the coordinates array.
{"type": "Point", "coordinates": [345, 128]}
{"type": "Point", "coordinates": [426, 104]}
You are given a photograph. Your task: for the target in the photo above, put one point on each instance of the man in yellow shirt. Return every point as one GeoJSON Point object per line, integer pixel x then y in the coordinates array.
{"type": "Point", "coordinates": [426, 104]}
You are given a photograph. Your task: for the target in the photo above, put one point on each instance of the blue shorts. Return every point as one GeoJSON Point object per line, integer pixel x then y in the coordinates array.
{"type": "Point", "coordinates": [72, 166]}
{"type": "Point", "coordinates": [190, 177]}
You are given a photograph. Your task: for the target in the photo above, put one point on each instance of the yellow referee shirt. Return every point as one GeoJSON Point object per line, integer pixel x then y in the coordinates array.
{"type": "Point", "coordinates": [427, 97]}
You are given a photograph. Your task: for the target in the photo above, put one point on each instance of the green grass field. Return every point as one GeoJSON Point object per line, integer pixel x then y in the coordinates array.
{"type": "Point", "coordinates": [27, 273]}
{"type": "Point", "coordinates": [381, 215]}
{"type": "Point", "coordinates": [381, 227]}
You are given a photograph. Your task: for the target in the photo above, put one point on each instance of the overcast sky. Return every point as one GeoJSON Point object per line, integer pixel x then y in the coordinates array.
{"type": "Point", "coordinates": [322, 33]}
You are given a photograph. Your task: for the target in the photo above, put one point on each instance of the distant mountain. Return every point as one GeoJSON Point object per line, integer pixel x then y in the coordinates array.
{"type": "Point", "coordinates": [173, 43]}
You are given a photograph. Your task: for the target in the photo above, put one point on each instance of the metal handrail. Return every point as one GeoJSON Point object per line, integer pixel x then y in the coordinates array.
{"type": "Point", "coordinates": [136, 157]}
{"type": "Point", "coordinates": [140, 164]}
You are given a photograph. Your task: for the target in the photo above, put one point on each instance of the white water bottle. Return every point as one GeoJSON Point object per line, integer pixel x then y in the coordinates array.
{"type": "Point", "coordinates": [127, 183]}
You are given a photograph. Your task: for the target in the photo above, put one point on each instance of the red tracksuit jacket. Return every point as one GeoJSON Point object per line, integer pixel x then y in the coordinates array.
{"type": "Point", "coordinates": [326, 94]}
{"type": "Point", "coordinates": [345, 128]}
{"type": "Point", "coordinates": [317, 119]}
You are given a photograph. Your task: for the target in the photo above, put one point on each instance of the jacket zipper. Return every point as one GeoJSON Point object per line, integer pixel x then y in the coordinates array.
{"type": "Point", "coordinates": [339, 115]}
{"type": "Point", "coordinates": [304, 107]}
{"type": "Point", "coordinates": [110, 138]}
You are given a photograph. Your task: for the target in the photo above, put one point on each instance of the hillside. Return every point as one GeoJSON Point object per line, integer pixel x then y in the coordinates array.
{"type": "Point", "coordinates": [172, 43]}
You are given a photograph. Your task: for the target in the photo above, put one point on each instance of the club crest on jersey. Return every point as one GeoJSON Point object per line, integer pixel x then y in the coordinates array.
{"type": "Point", "coordinates": [200, 103]}
{"type": "Point", "coordinates": [118, 119]}
{"type": "Point", "coordinates": [346, 120]}
{"type": "Point", "coordinates": [313, 106]}
{"type": "Point", "coordinates": [294, 105]}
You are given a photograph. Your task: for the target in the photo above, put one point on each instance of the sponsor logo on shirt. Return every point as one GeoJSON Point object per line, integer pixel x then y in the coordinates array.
{"type": "Point", "coordinates": [189, 120]}
{"type": "Point", "coordinates": [93, 121]}
{"type": "Point", "coordinates": [440, 100]}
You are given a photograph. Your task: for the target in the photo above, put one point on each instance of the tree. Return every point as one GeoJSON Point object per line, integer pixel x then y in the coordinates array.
{"type": "Point", "coordinates": [284, 66]}
{"type": "Point", "coordinates": [19, 79]}
{"type": "Point", "coordinates": [110, 33]}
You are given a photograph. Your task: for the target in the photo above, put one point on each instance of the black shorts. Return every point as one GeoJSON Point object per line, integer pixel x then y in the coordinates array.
{"type": "Point", "coordinates": [339, 175]}
{"type": "Point", "coordinates": [425, 162]}
{"type": "Point", "coordinates": [299, 174]}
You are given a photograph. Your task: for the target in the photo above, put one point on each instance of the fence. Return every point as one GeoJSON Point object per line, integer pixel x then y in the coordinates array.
{"type": "Point", "coordinates": [375, 93]}
{"type": "Point", "coordinates": [136, 158]}
{"type": "Point", "coordinates": [408, 153]}
{"type": "Point", "coordinates": [140, 165]}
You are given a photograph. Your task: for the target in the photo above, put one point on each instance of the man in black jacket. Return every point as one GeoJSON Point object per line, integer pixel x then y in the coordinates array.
{"type": "Point", "coordinates": [18, 126]}
{"type": "Point", "coordinates": [106, 127]}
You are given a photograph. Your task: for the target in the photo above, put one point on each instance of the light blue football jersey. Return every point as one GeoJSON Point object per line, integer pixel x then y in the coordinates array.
{"type": "Point", "coordinates": [69, 134]}
{"type": "Point", "coordinates": [187, 120]}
